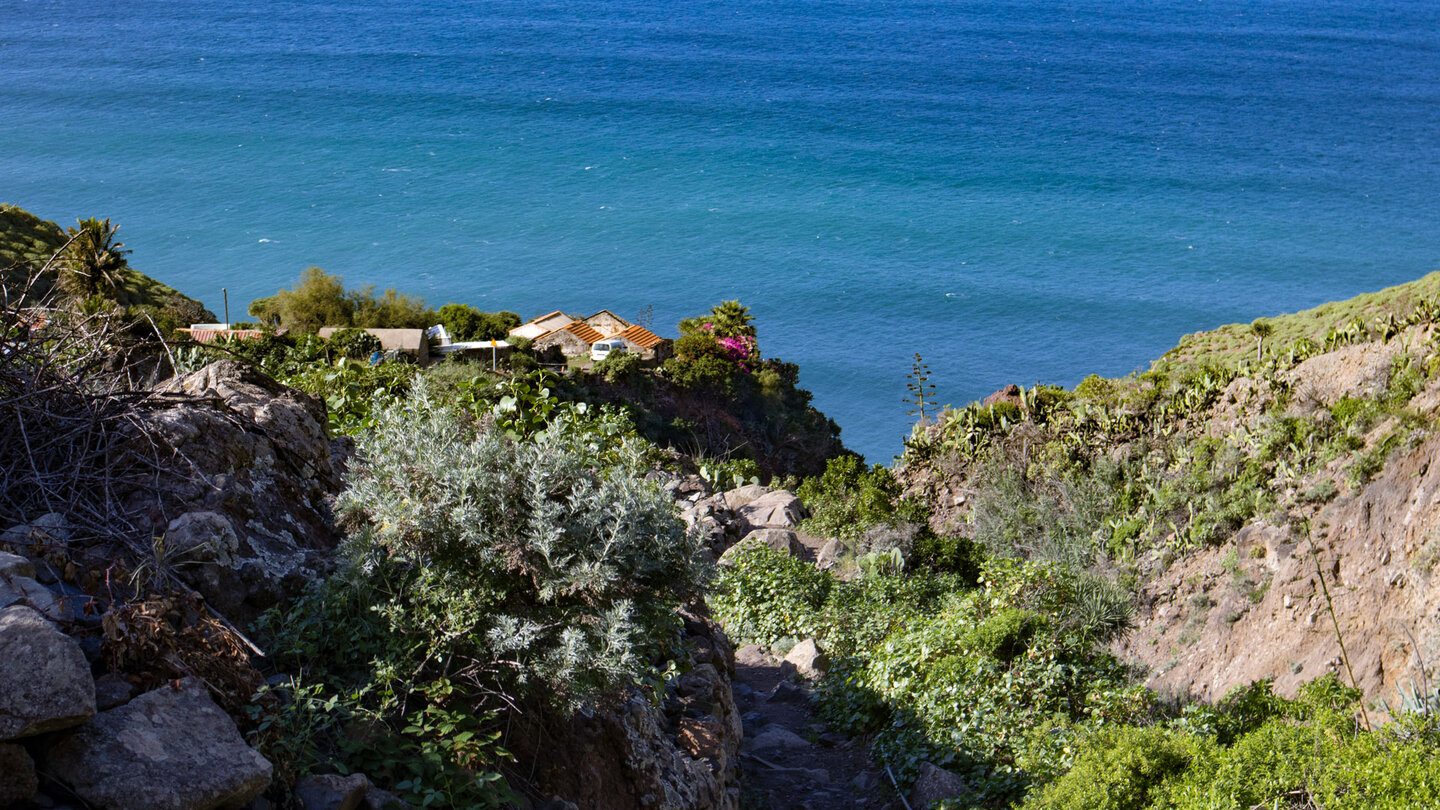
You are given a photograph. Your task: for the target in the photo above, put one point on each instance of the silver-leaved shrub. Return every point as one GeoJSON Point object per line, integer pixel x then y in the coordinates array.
{"type": "Point", "coordinates": [546, 565]}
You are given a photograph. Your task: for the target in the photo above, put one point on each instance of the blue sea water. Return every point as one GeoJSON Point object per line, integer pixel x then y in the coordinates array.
{"type": "Point", "coordinates": [1018, 191]}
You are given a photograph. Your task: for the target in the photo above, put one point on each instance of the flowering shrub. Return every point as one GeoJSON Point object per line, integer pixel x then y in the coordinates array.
{"type": "Point", "coordinates": [743, 350]}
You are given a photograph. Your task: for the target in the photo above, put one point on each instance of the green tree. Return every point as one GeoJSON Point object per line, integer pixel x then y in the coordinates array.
{"type": "Point", "coordinates": [393, 310]}
{"type": "Point", "coordinates": [1261, 329]}
{"type": "Point", "coordinates": [465, 322]}
{"type": "Point", "coordinates": [318, 300]}
{"type": "Point", "coordinates": [94, 261]}
{"type": "Point", "coordinates": [732, 319]}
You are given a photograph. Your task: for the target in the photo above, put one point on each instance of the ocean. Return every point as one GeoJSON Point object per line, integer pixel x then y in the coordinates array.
{"type": "Point", "coordinates": [1016, 191]}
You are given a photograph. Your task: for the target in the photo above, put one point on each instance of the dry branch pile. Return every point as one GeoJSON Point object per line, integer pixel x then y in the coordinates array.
{"type": "Point", "coordinates": [71, 391]}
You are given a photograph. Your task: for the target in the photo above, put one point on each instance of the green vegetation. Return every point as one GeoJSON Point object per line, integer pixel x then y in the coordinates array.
{"type": "Point", "coordinates": [465, 322]}
{"type": "Point", "coordinates": [86, 266]}
{"type": "Point", "coordinates": [320, 299]}
{"type": "Point", "coordinates": [489, 575]}
{"type": "Point", "coordinates": [1372, 311]}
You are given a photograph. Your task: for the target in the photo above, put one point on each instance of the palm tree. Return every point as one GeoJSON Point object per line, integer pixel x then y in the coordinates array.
{"type": "Point", "coordinates": [732, 319]}
{"type": "Point", "coordinates": [94, 262]}
{"type": "Point", "coordinates": [1261, 329]}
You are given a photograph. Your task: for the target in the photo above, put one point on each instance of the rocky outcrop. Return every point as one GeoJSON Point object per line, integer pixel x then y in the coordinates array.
{"type": "Point", "coordinates": [332, 791]}
{"type": "Point", "coordinates": [682, 755]}
{"type": "Point", "coordinates": [247, 475]}
{"type": "Point", "coordinates": [45, 682]}
{"type": "Point", "coordinates": [781, 540]}
{"type": "Point", "coordinates": [776, 509]}
{"type": "Point", "coordinates": [170, 749]}
{"type": "Point", "coordinates": [1255, 609]}
{"type": "Point", "coordinates": [808, 659]}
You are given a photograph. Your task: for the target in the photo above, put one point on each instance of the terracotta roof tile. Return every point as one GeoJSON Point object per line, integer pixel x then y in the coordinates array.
{"type": "Point", "coordinates": [641, 337]}
{"type": "Point", "coordinates": [585, 332]}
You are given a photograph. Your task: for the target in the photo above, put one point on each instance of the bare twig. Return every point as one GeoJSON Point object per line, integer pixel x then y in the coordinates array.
{"type": "Point", "coordinates": [891, 774]}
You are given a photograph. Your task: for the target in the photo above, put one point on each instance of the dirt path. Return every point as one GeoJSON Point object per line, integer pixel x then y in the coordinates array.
{"type": "Point", "coordinates": [791, 760]}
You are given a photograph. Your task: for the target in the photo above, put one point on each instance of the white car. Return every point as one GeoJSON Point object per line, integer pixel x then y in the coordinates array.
{"type": "Point", "coordinates": [602, 349]}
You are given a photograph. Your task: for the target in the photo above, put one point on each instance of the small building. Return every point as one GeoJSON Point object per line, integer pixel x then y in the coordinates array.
{"type": "Point", "coordinates": [607, 323]}
{"type": "Point", "coordinates": [210, 332]}
{"type": "Point", "coordinates": [647, 344]}
{"type": "Point", "coordinates": [574, 340]}
{"type": "Point", "coordinates": [413, 342]}
{"type": "Point", "coordinates": [543, 325]}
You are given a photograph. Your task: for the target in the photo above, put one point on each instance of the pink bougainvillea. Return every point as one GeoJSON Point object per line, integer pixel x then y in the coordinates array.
{"type": "Point", "coordinates": [743, 350]}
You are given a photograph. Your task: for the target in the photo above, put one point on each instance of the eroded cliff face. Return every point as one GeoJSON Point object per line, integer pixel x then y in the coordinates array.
{"type": "Point", "coordinates": [1360, 518]}
{"type": "Point", "coordinates": [1255, 608]}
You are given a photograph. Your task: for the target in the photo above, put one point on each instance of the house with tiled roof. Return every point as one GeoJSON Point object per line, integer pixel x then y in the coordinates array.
{"type": "Point", "coordinates": [608, 323]}
{"type": "Point", "coordinates": [647, 344]}
{"type": "Point", "coordinates": [537, 328]}
{"type": "Point", "coordinates": [573, 340]}
{"type": "Point", "coordinates": [574, 336]}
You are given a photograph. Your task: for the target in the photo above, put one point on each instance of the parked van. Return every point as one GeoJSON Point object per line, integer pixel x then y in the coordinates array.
{"type": "Point", "coordinates": [602, 349]}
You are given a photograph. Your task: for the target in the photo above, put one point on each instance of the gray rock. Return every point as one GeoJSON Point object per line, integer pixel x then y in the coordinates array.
{"type": "Point", "coordinates": [169, 749]}
{"type": "Point", "coordinates": [785, 692]}
{"type": "Point", "coordinates": [753, 655]}
{"type": "Point", "coordinates": [54, 526]}
{"type": "Point", "coordinates": [17, 775]}
{"type": "Point", "coordinates": [332, 791]}
{"type": "Point", "coordinates": [777, 738]}
{"type": "Point", "coordinates": [934, 784]}
{"type": "Point", "coordinates": [112, 690]}
{"type": "Point", "coordinates": [831, 554]}
{"type": "Point", "coordinates": [778, 509]}
{"type": "Point", "coordinates": [781, 540]}
{"type": "Point", "coordinates": [13, 565]}
{"type": "Point", "coordinates": [45, 682]}
{"type": "Point", "coordinates": [744, 496]}
{"type": "Point", "coordinates": [864, 782]}
{"type": "Point", "coordinates": [809, 661]}
{"type": "Point", "coordinates": [377, 799]}
{"type": "Point", "coordinates": [17, 590]}
{"type": "Point", "coordinates": [203, 537]}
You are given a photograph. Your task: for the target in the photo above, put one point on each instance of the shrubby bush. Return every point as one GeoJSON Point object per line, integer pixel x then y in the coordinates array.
{"type": "Point", "coordinates": [487, 572]}
{"type": "Point", "coordinates": [569, 565]}
{"type": "Point", "coordinates": [849, 498]}
{"type": "Point", "coordinates": [465, 322]}
{"type": "Point", "coordinates": [354, 343]}
{"type": "Point", "coordinates": [619, 367]}
{"type": "Point", "coordinates": [320, 299]}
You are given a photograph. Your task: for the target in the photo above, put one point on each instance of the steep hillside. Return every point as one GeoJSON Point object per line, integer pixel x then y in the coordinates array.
{"type": "Point", "coordinates": [1230, 493]}
{"type": "Point", "coordinates": [27, 243]}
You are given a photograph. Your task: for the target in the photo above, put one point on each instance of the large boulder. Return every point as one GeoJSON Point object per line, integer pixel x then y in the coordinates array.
{"type": "Point", "coordinates": [245, 486]}
{"type": "Point", "coordinates": [332, 791]}
{"type": "Point", "coordinates": [18, 590]}
{"type": "Point", "coordinates": [778, 509]}
{"type": "Point", "coordinates": [744, 496]}
{"type": "Point", "coordinates": [45, 681]}
{"type": "Point", "coordinates": [934, 784]}
{"type": "Point", "coordinates": [809, 661]}
{"type": "Point", "coordinates": [782, 540]}
{"type": "Point", "coordinates": [170, 749]}
{"type": "Point", "coordinates": [13, 565]}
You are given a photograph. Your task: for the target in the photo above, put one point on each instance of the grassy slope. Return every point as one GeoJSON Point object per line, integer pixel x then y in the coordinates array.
{"type": "Point", "coordinates": [1233, 342]}
{"type": "Point", "coordinates": [27, 243]}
